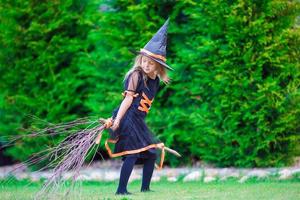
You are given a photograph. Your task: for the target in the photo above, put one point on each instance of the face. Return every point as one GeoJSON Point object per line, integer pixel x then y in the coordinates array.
{"type": "Point", "coordinates": [148, 65]}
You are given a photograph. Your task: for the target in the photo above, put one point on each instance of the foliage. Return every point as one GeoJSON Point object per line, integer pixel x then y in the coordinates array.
{"type": "Point", "coordinates": [241, 72]}
{"type": "Point", "coordinates": [42, 44]}
{"type": "Point", "coordinates": [234, 97]}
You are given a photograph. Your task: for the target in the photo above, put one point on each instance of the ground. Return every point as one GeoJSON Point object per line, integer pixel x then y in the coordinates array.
{"type": "Point", "coordinates": [230, 189]}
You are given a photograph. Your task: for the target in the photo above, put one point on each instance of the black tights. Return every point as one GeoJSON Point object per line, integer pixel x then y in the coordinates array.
{"type": "Point", "coordinates": [127, 169]}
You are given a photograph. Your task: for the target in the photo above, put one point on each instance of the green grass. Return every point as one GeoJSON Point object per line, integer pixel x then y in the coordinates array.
{"type": "Point", "coordinates": [283, 190]}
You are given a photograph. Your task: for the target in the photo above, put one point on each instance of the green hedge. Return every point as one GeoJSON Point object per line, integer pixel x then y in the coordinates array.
{"type": "Point", "coordinates": [240, 68]}
{"type": "Point", "coordinates": [234, 97]}
{"type": "Point", "coordinates": [42, 44]}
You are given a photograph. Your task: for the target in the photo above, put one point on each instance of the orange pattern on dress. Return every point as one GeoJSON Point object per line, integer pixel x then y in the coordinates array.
{"type": "Point", "coordinates": [144, 102]}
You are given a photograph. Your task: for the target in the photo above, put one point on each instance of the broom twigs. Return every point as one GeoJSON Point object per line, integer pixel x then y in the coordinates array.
{"type": "Point", "coordinates": [83, 136]}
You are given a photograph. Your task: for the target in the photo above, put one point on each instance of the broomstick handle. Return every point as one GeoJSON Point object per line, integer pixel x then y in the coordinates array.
{"type": "Point", "coordinates": [172, 152]}
{"type": "Point", "coordinates": [106, 123]}
{"type": "Point", "coordinates": [98, 138]}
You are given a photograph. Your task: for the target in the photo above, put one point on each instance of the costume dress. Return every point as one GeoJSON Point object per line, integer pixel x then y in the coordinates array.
{"type": "Point", "coordinates": [133, 137]}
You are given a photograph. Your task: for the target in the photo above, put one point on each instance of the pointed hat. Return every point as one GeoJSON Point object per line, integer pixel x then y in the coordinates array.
{"type": "Point", "coordinates": [156, 47]}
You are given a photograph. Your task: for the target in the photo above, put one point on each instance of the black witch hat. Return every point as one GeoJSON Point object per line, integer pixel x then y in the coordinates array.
{"type": "Point", "coordinates": [156, 47]}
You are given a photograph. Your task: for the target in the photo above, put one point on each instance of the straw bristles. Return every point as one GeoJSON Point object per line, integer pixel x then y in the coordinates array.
{"type": "Point", "coordinates": [68, 156]}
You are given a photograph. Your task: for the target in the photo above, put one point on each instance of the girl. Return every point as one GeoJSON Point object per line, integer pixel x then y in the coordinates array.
{"type": "Point", "coordinates": [129, 132]}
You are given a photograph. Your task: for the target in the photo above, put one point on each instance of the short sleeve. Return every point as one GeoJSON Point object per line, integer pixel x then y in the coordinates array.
{"type": "Point", "coordinates": [132, 82]}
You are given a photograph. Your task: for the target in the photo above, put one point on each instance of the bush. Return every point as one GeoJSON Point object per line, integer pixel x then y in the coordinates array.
{"type": "Point", "coordinates": [42, 45]}
{"type": "Point", "coordinates": [234, 98]}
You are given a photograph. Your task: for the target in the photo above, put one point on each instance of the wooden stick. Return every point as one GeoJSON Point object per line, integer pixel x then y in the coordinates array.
{"type": "Point", "coordinates": [171, 151]}
{"type": "Point", "coordinates": [98, 138]}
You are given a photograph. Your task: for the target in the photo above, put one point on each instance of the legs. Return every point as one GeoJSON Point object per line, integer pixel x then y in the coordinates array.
{"type": "Point", "coordinates": [125, 174]}
{"type": "Point", "coordinates": [126, 170]}
{"type": "Point", "coordinates": [147, 174]}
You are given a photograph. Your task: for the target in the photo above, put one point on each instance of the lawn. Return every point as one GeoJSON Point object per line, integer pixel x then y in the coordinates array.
{"type": "Point", "coordinates": [231, 189]}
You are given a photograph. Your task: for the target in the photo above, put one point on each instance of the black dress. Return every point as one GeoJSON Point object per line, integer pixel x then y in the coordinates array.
{"type": "Point", "coordinates": [133, 137]}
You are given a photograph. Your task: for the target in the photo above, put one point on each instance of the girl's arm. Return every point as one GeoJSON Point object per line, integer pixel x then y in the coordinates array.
{"type": "Point", "coordinates": [123, 108]}
{"type": "Point", "coordinates": [127, 101]}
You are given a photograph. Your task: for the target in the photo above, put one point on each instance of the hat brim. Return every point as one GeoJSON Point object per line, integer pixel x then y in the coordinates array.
{"type": "Point", "coordinates": [155, 59]}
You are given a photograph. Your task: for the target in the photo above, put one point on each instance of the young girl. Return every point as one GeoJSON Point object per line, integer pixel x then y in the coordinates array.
{"type": "Point", "coordinates": [129, 132]}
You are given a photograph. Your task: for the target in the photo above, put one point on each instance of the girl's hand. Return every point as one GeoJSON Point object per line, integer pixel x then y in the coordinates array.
{"type": "Point", "coordinates": [115, 125]}
{"type": "Point", "coordinates": [166, 80]}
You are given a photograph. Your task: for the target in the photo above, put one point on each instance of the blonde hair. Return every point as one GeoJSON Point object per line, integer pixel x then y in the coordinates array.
{"type": "Point", "coordinates": [161, 71]}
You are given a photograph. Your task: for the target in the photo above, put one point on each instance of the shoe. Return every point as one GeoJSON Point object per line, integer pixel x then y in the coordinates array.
{"type": "Point", "coordinates": [123, 193]}
{"type": "Point", "coordinates": [146, 190]}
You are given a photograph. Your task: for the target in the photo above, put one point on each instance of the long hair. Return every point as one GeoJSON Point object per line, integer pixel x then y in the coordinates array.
{"type": "Point", "coordinates": [161, 71]}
